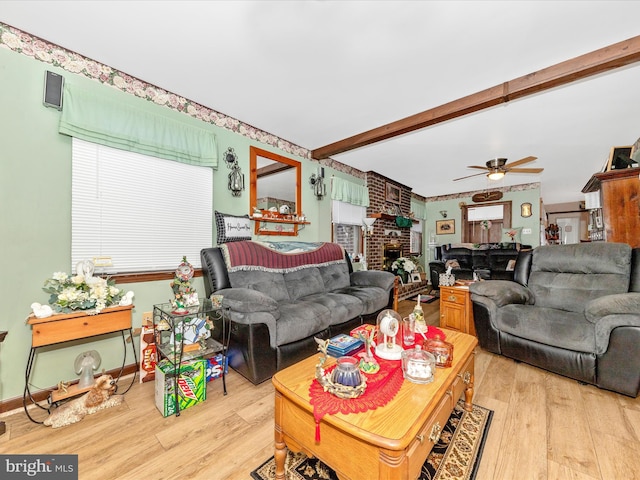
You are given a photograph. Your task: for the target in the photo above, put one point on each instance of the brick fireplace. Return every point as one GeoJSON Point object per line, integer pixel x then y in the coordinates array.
{"type": "Point", "coordinates": [383, 195]}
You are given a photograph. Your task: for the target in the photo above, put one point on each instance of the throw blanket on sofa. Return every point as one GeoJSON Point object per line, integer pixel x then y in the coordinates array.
{"type": "Point", "coordinates": [280, 257]}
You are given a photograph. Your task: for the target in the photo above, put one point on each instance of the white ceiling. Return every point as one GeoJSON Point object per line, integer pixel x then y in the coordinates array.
{"type": "Point", "coordinates": [315, 72]}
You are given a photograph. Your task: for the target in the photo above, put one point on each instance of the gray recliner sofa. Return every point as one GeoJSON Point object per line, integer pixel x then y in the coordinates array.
{"type": "Point", "coordinates": [281, 295]}
{"type": "Point", "coordinates": [571, 309]}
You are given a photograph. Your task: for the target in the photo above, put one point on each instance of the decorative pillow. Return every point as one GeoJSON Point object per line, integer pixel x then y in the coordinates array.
{"type": "Point", "coordinates": [452, 263]}
{"type": "Point", "coordinates": [232, 228]}
{"type": "Point", "coordinates": [512, 235]}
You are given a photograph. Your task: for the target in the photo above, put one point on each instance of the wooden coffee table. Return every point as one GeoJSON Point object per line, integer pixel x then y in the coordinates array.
{"type": "Point", "coordinates": [390, 442]}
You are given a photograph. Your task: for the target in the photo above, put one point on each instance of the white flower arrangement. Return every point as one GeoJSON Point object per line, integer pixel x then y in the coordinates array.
{"type": "Point", "coordinates": [403, 263]}
{"type": "Point", "coordinates": [81, 292]}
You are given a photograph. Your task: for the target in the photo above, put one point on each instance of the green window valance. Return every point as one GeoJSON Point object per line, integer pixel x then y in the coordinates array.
{"type": "Point", "coordinates": [109, 119]}
{"type": "Point", "coordinates": [419, 209]}
{"type": "Point", "coordinates": [349, 192]}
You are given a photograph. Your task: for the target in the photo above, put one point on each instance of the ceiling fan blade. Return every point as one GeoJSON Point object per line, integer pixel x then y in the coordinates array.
{"type": "Point", "coordinates": [476, 166]}
{"type": "Point", "coordinates": [469, 176]}
{"type": "Point", "coordinates": [525, 170]}
{"type": "Point", "coordinates": [520, 162]}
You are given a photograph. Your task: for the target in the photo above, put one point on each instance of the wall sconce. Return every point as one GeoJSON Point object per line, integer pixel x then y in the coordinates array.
{"type": "Point", "coordinates": [317, 183]}
{"type": "Point", "coordinates": [443, 213]}
{"type": "Point", "coordinates": [236, 178]}
{"type": "Point", "coordinates": [367, 227]}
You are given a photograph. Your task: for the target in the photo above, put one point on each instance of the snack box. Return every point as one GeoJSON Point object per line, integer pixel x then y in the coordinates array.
{"type": "Point", "coordinates": [365, 329]}
{"type": "Point", "coordinates": [148, 354]}
{"type": "Point", "coordinates": [192, 385]}
{"type": "Point", "coordinates": [214, 366]}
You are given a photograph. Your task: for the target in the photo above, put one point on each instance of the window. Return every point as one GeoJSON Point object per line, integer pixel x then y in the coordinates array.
{"type": "Point", "coordinates": [415, 243]}
{"type": "Point", "coordinates": [347, 225]}
{"type": "Point", "coordinates": [483, 224]}
{"type": "Point", "coordinates": [144, 212]}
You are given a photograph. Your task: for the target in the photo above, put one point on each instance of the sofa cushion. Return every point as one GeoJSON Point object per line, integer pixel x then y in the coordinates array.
{"type": "Point", "coordinates": [559, 277]}
{"type": "Point", "coordinates": [499, 259]}
{"type": "Point", "coordinates": [304, 282]}
{"type": "Point", "coordinates": [343, 307]}
{"type": "Point", "coordinates": [301, 319]}
{"type": "Point", "coordinates": [271, 284]}
{"type": "Point", "coordinates": [619, 304]}
{"type": "Point", "coordinates": [502, 292]}
{"type": "Point", "coordinates": [549, 326]}
{"type": "Point", "coordinates": [335, 276]}
{"type": "Point", "coordinates": [247, 300]}
{"type": "Point", "coordinates": [373, 298]}
{"type": "Point", "coordinates": [452, 264]}
{"type": "Point", "coordinates": [462, 255]}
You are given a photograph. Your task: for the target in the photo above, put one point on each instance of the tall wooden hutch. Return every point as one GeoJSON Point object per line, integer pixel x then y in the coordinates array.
{"type": "Point", "coordinates": [620, 203]}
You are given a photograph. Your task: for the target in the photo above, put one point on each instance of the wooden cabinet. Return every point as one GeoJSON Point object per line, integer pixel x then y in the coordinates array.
{"type": "Point", "coordinates": [456, 311]}
{"type": "Point", "coordinates": [620, 195]}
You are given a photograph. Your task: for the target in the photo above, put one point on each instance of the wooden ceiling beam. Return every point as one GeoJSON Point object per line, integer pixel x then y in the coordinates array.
{"type": "Point", "coordinates": [608, 58]}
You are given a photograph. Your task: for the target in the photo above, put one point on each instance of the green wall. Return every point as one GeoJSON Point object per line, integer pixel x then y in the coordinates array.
{"type": "Point", "coordinates": [35, 193]}
{"type": "Point", "coordinates": [452, 206]}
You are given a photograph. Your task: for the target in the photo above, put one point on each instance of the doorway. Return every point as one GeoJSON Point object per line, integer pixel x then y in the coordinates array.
{"type": "Point", "coordinates": [569, 229]}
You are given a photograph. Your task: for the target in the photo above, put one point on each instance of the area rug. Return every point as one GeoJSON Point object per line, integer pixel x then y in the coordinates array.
{"type": "Point", "coordinates": [456, 456]}
{"type": "Point", "coordinates": [425, 298]}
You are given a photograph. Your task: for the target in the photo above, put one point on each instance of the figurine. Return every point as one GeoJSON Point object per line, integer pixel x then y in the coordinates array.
{"type": "Point", "coordinates": [368, 363]}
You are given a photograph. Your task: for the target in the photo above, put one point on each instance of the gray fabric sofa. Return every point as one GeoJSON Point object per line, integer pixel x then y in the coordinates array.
{"type": "Point", "coordinates": [280, 300]}
{"type": "Point", "coordinates": [571, 309]}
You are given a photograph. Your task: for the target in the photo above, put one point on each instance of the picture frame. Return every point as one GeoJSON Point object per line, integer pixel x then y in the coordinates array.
{"type": "Point", "coordinates": [445, 227]}
{"type": "Point", "coordinates": [635, 151]}
{"type": "Point", "coordinates": [525, 210]}
{"type": "Point", "coordinates": [415, 277]}
{"type": "Point", "coordinates": [393, 194]}
{"type": "Point", "coordinates": [620, 158]}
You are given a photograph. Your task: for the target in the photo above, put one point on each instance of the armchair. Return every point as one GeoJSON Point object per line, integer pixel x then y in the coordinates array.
{"type": "Point", "coordinates": [571, 309]}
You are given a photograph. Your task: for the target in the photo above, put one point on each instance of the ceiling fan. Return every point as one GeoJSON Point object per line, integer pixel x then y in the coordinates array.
{"type": "Point", "coordinates": [497, 168]}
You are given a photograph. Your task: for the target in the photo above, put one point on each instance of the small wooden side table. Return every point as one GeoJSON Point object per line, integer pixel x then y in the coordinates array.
{"type": "Point", "coordinates": [456, 312]}
{"type": "Point", "coordinates": [66, 327]}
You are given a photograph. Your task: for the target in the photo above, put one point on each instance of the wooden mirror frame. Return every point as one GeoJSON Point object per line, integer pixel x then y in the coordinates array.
{"type": "Point", "coordinates": [254, 153]}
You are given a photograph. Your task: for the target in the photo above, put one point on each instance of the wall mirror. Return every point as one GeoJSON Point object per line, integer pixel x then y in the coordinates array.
{"type": "Point", "coordinates": [275, 183]}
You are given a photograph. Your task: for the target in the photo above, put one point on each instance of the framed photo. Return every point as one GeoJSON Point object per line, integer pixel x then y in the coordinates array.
{"type": "Point", "coordinates": [392, 193]}
{"type": "Point", "coordinates": [525, 210]}
{"type": "Point", "coordinates": [445, 227]}
{"type": "Point", "coordinates": [620, 158]}
{"type": "Point", "coordinates": [635, 151]}
{"type": "Point", "coordinates": [415, 277]}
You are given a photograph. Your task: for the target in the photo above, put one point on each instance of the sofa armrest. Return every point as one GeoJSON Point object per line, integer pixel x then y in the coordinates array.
{"type": "Point", "coordinates": [247, 301]}
{"type": "Point", "coordinates": [373, 278]}
{"type": "Point", "coordinates": [502, 292]}
{"type": "Point", "coordinates": [617, 304]}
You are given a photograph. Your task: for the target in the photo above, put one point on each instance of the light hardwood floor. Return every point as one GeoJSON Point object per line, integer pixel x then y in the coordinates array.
{"type": "Point", "coordinates": [544, 427]}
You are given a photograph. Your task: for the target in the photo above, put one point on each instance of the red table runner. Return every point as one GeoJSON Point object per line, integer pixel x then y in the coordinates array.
{"type": "Point", "coordinates": [382, 386]}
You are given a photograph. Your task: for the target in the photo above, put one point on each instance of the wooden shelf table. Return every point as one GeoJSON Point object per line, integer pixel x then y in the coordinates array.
{"type": "Point", "coordinates": [66, 327]}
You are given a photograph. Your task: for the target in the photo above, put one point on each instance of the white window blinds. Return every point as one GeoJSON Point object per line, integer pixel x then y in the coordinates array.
{"type": "Point", "coordinates": [144, 212]}
{"type": "Point", "coordinates": [490, 212]}
{"type": "Point", "coordinates": [347, 214]}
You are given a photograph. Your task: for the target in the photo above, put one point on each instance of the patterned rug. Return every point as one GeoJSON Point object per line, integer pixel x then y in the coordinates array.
{"type": "Point", "coordinates": [456, 456]}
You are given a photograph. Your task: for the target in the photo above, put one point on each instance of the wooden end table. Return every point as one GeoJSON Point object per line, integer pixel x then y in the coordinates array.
{"type": "Point", "coordinates": [390, 442]}
{"type": "Point", "coordinates": [66, 327]}
{"type": "Point", "coordinates": [456, 309]}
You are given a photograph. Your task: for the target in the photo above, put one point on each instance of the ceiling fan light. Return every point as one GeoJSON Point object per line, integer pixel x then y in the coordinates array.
{"type": "Point", "coordinates": [495, 175]}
